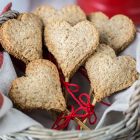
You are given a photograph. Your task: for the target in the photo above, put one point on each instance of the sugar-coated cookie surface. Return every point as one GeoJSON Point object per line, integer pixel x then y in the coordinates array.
{"type": "Point", "coordinates": [39, 89]}
{"type": "Point", "coordinates": [72, 14]}
{"type": "Point", "coordinates": [71, 45]}
{"type": "Point", "coordinates": [22, 37]}
{"type": "Point", "coordinates": [108, 73]}
{"type": "Point", "coordinates": [118, 32]}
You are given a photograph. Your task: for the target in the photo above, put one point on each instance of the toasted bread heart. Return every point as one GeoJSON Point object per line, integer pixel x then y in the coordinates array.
{"type": "Point", "coordinates": [22, 37]}
{"type": "Point", "coordinates": [118, 32]}
{"type": "Point", "coordinates": [72, 14]}
{"type": "Point", "coordinates": [30, 17]}
{"type": "Point", "coordinates": [71, 46]}
{"type": "Point", "coordinates": [39, 89]}
{"type": "Point", "coordinates": [108, 73]}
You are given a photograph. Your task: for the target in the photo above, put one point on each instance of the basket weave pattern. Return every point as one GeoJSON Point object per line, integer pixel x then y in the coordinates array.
{"type": "Point", "coordinates": [127, 129]}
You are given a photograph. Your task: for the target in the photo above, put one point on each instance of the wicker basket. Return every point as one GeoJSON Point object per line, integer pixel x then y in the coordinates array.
{"type": "Point", "coordinates": [127, 129]}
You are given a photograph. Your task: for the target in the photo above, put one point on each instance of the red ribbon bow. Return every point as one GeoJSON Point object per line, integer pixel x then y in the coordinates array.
{"type": "Point", "coordinates": [88, 108]}
{"type": "Point", "coordinates": [63, 121]}
{"type": "Point", "coordinates": [84, 106]}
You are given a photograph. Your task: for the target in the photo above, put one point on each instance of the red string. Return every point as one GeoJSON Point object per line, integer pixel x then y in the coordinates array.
{"type": "Point", "coordinates": [67, 86]}
{"type": "Point", "coordinates": [89, 108]}
{"type": "Point", "coordinates": [84, 106]}
{"type": "Point", "coordinates": [104, 103]}
{"type": "Point", "coordinates": [6, 8]}
{"type": "Point", "coordinates": [56, 123]}
{"type": "Point", "coordinates": [63, 121]}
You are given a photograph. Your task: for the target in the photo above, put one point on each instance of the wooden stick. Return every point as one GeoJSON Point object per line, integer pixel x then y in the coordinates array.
{"type": "Point", "coordinates": [82, 125]}
{"type": "Point", "coordinates": [93, 103]}
{"type": "Point", "coordinates": [65, 91]}
{"type": "Point", "coordinates": [65, 95]}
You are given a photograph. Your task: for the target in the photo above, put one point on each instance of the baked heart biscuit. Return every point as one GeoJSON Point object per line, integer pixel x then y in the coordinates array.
{"type": "Point", "coordinates": [40, 88]}
{"type": "Point", "coordinates": [71, 46]}
{"type": "Point", "coordinates": [72, 14]}
{"type": "Point", "coordinates": [22, 37]}
{"type": "Point", "coordinates": [30, 17]}
{"type": "Point", "coordinates": [108, 73]}
{"type": "Point", "coordinates": [118, 32]}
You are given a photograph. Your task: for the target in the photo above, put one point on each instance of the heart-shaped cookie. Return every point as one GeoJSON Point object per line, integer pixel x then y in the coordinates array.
{"type": "Point", "coordinates": [118, 32]}
{"type": "Point", "coordinates": [40, 88]}
{"type": "Point", "coordinates": [22, 37]}
{"type": "Point", "coordinates": [30, 17]}
{"type": "Point", "coordinates": [72, 14]}
{"type": "Point", "coordinates": [108, 73]}
{"type": "Point", "coordinates": [71, 46]}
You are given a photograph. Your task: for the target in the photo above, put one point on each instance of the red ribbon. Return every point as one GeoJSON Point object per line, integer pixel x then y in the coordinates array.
{"type": "Point", "coordinates": [70, 91]}
{"type": "Point", "coordinates": [104, 103]}
{"type": "Point", "coordinates": [6, 8]}
{"type": "Point", "coordinates": [84, 106]}
{"type": "Point", "coordinates": [63, 121]}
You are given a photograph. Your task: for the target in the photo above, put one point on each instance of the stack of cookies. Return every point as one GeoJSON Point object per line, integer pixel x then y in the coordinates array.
{"type": "Point", "coordinates": [74, 39]}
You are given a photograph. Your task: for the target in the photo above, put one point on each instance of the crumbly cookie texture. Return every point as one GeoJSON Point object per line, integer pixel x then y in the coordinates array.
{"type": "Point", "coordinates": [72, 14]}
{"type": "Point", "coordinates": [22, 37]}
{"type": "Point", "coordinates": [30, 17]}
{"type": "Point", "coordinates": [39, 89]}
{"type": "Point", "coordinates": [118, 32]}
{"type": "Point", "coordinates": [108, 73]}
{"type": "Point", "coordinates": [71, 45]}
